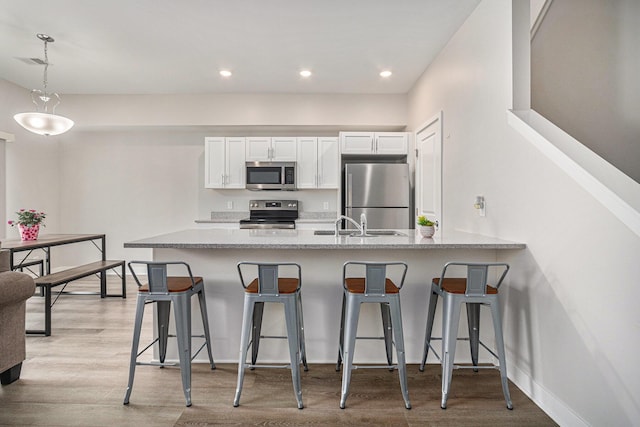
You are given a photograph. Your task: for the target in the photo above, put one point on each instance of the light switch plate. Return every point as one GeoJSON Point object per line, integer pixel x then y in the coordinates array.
{"type": "Point", "coordinates": [230, 205]}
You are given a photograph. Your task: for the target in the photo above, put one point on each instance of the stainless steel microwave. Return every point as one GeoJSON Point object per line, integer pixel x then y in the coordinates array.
{"type": "Point", "coordinates": [271, 176]}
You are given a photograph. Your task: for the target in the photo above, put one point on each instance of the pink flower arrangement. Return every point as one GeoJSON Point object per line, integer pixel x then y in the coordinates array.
{"type": "Point", "coordinates": [28, 218]}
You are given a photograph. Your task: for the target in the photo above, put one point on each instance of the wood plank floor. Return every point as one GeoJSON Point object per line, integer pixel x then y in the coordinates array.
{"type": "Point", "coordinates": [78, 376]}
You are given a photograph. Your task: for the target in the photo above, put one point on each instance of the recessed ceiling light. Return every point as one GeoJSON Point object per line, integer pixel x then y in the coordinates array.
{"type": "Point", "coordinates": [385, 73]}
{"type": "Point", "coordinates": [305, 73]}
{"type": "Point", "coordinates": [225, 73]}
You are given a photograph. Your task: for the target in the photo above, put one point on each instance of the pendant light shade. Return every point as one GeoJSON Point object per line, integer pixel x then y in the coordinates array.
{"type": "Point", "coordinates": [44, 121]}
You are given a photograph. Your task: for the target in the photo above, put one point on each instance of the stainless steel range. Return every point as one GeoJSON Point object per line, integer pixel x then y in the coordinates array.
{"type": "Point", "coordinates": [271, 214]}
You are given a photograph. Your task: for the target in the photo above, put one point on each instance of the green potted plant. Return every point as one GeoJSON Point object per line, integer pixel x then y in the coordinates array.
{"type": "Point", "coordinates": [29, 223]}
{"type": "Point", "coordinates": [426, 227]}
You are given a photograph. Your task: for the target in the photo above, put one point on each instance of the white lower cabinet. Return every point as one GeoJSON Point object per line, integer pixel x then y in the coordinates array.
{"type": "Point", "coordinates": [317, 162]}
{"type": "Point", "coordinates": [224, 164]}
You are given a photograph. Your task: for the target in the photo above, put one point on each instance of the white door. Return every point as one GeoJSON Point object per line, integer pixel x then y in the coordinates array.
{"type": "Point", "coordinates": [214, 162]}
{"type": "Point", "coordinates": [429, 169]}
{"type": "Point", "coordinates": [328, 162]}
{"type": "Point", "coordinates": [283, 149]}
{"type": "Point", "coordinates": [307, 163]}
{"type": "Point", "coordinates": [258, 148]}
{"type": "Point", "coordinates": [235, 163]}
{"type": "Point", "coordinates": [391, 143]}
{"type": "Point", "coordinates": [356, 142]}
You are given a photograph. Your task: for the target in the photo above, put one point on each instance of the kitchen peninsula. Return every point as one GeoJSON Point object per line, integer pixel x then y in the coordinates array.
{"type": "Point", "coordinates": [214, 253]}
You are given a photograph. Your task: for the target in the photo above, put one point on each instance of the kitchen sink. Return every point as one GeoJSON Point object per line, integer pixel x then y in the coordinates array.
{"type": "Point", "coordinates": [385, 233]}
{"type": "Point", "coordinates": [355, 233]}
{"type": "Point", "coordinates": [332, 232]}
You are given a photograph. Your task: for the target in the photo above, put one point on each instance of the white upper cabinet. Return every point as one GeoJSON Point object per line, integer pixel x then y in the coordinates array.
{"type": "Point", "coordinates": [224, 165]}
{"type": "Point", "coordinates": [274, 149]}
{"type": "Point", "coordinates": [283, 149]}
{"type": "Point", "coordinates": [391, 142]}
{"type": "Point", "coordinates": [317, 162]}
{"type": "Point", "coordinates": [374, 142]}
{"type": "Point", "coordinates": [307, 163]}
{"type": "Point", "coordinates": [328, 162]}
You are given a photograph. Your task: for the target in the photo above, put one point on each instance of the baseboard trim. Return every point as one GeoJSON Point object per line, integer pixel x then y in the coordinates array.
{"type": "Point", "coordinates": [547, 401]}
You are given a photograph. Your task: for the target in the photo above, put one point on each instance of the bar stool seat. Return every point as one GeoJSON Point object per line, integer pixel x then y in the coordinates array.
{"type": "Point", "coordinates": [474, 292]}
{"type": "Point", "coordinates": [268, 286]}
{"type": "Point", "coordinates": [163, 291]}
{"type": "Point", "coordinates": [373, 287]}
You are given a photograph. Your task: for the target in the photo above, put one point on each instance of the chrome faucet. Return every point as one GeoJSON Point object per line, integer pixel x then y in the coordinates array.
{"type": "Point", "coordinates": [362, 227]}
{"type": "Point", "coordinates": [363, 224]}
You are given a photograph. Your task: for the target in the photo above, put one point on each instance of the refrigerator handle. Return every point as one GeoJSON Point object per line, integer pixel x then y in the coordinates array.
{"type": "Point", "coordinates": [350, 190]}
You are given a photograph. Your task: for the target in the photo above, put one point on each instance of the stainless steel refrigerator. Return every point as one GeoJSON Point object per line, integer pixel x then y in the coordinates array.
{"type": "Point", "coordinates": [380, 191]}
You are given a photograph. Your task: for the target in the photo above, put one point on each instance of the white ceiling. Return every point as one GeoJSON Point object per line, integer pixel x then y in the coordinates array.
{"type": "Point", "coordinates": [179, 46]}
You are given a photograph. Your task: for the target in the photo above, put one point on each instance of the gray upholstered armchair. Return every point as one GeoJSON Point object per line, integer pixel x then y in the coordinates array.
{"type": "Point", "coordinates": [15, 288]}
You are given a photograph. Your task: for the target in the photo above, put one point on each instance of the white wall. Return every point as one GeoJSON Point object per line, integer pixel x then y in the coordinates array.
{"type": "Point", "coordinates": [31, 164]}
{"type": "Point", "coordinates": [571, 321]}
{"type": "Point", "coordinates": [132, 166]}
{"type": "Point", "coordinates": [581, 42]}
{"type": "Point", "coordinates": [139, 183]}
{"type": "Point", "coordinates": [328, 110]}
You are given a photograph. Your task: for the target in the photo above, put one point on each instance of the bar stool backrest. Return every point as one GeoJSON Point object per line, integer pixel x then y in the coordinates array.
{"type": "Point", "coordinates": [157, 275]}
{"type": "Point", "coordinates": [477, 276]}
{"type": "Point", "coordinates": [268, 275]}
{"type": "Point", "coordinates": [375, 275]}
{"type": "Point", "coordinates": [476, 280]}
{"type": "Point", "coordinates": [268, 279]}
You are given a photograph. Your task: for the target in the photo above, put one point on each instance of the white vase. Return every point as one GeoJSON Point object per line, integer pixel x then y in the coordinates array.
{"type": "Point", "coordinates": [426, 230]}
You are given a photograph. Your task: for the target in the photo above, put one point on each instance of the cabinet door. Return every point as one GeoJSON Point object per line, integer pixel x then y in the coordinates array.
{"type": "Point", "coordinates": [328, 162]}
{"type": "Point", "coordinates": [356, 142]}
{"type": "Point", "coordinates": [283, 149]}
{"type": "Point", "coordinates": [391, 142]}
{"type": "Point", "coordinates": [214, 162]}
{"type": "Point", "coordinates": [258, 148]}
{"type": "Point", "coordinates": [307, 161]}
{"type": "Point", "coordinates": [235, 163]}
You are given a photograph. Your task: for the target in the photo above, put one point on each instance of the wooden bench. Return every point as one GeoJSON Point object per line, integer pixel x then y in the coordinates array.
{"type": "Point", "coordinates": [30, 263]}
{"type": "Point", "coordinates": [64, 277]}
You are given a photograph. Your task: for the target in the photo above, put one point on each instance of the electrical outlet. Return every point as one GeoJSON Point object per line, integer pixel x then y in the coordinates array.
{"type": "Point", "coordinates": [480, 205]}
{"type": "Point", "coordinates": [325, 206]}
{"type": "Point", "coordinates": [230, 205]}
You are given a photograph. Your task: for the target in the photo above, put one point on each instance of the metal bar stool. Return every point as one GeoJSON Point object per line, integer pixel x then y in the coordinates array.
{"type": "Point", "coordinates": [268, 286]}
{"type": "Point", "coordinates": [474, 291]}
{"type": "Point", "coordinates": [374, 287]}
{"type": "Point", "coordinates": [163, 290]}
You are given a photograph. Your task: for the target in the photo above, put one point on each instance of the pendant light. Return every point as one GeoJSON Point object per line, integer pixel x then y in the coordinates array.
{"type": "Point", "coordinates": [44, 121]}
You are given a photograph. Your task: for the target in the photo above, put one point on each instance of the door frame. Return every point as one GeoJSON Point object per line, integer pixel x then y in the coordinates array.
{"type": "Point", "coordinates": [436, 121]}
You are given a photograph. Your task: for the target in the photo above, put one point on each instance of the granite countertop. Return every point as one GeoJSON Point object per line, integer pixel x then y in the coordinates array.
{"type": "Point", "coordinates": [305, 239]}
